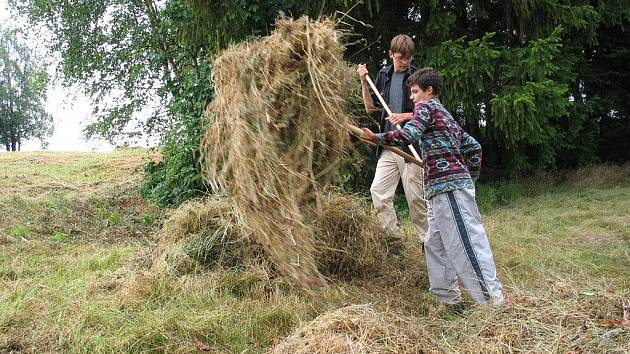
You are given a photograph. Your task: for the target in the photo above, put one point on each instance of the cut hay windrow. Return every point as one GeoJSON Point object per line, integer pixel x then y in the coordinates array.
{"type": "Point", "coordinates": [207, 233]}
{"type": "Point", "coordinates": [200, 234]}
{"type": "Point", "coordinates": [352, 329]}
{"type": "Point", "coordinates": [278, 123]}
{"type": "Point", "coordinates": [349, 240]}
{"type": "Point", "coordinates": [553, 319]}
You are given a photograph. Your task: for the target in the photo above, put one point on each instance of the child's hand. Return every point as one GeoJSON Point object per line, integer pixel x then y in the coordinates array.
{"type": "Point", "coordinates": [399, 118]}
{"type": "Point", "coordinates": [367, 134]}
{"type": "Point", "coordinates": [362, 71]}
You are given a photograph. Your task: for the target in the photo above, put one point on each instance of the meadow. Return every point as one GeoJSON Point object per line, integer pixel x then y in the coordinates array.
{"type": "Point", "coordinates": [77, 244]}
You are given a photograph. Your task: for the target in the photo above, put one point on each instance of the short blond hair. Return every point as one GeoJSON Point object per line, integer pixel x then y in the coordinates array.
{"type": "Point", "coordinates": [402, 44]}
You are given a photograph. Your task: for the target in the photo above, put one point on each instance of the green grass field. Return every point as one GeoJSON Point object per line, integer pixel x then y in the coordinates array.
{"type": "Point", "coordinates": [77, 244]}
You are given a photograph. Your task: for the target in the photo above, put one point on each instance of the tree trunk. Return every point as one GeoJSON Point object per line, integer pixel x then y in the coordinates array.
{"type": "Point", "coordinates": [508, 22]}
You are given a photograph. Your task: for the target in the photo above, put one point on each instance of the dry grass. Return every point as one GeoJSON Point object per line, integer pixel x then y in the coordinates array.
{"type": "Point", "coordinates": [558, 320]}
{"type": "Point", "coordinates": [204, 234]}
{"type": "Point", "coordinates": [35, 174]}
{"type": "Point", "coordinates": [75, 197]}
{"type": "Point", "coordinates": [349, 240]}
{"type": "Point", "coordinates": [561, 254]}
{"type": "Point", "coordinates": [352, 329]}
{"type": "Point", "coordinates": [602, 176]}
{"type": "Point", "coordinates": [278, 123]}
{"type": "Point", "coordinates": [207, 233]}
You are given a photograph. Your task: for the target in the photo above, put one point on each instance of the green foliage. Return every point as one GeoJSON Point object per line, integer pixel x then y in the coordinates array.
{"type": "Point", "coordinates": [119, 51]}
{"type": "Point", "coordinates": [176, 177]}
{"type": "Point", "coordinates": [105, 212]}
{"type": "Point", "coordinates": [518, 94]}
{"type": "Point", "coordinates": [58, 236]}
{"type": "Point", "coordinates": [19, 231]}
{"type": "Point", "coordinates": [470, 70]}
{"type": "Point", "coordinates": [515, 74]}
{"type": "Point", "coordinates": [148, 219]}
{"type": "Point", "coordinates": [541, 84]}
{"type": "Point", "coordinates": [357, 170]}
{"type": "Point", "coordinates": [401, 206]}
{"type": "Point", "coordinates": [23, 85]}
{"type": "Point", "coordinates": [498, 194]}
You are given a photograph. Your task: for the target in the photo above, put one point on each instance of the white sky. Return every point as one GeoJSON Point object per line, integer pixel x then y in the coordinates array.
{"type": "Point", "coordinates": [71, 110]}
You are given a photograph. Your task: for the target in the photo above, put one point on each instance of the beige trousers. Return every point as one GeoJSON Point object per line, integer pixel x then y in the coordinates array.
{"type": "Point", "coordinates": [389, 170]}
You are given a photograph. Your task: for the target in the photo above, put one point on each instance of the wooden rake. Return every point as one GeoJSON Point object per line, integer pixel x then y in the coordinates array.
{"type": "Point", "coordinates": [389, 112]}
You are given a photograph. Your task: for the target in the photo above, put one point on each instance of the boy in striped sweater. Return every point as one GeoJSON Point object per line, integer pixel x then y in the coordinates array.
{"type": "Point", "coordinates": [457, 248]}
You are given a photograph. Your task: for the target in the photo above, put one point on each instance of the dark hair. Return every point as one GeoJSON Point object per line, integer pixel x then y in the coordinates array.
{"type": "Point", "coordinates": [426, 77]}
{"type": "Point", "coordinates": [402, 44]}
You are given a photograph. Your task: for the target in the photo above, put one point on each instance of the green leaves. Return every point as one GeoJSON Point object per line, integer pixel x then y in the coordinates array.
{"type": "Point", "coordinates": [532, 80]}
{"type": "Point", "coordinates": [515, 95]}
{"type": "Point", "coordinates": [525, 113]}
{"type": "Point", "coordinates": [470, 70]}
{"type": "Point", "coordinates": [532, 98]}
{"type": "Point", "coordinates": [23, 84]}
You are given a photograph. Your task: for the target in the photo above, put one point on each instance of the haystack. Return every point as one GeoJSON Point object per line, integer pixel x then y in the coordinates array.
{"type": "Point", "coordinates": [278, 122]}
{"type": "Point", "coordinates": [203, 233]}
{"type": "Point", "coordinates": [207, 233]}
{"type": "Point", "coordinates": [349, 240]}
{"type": "Point", "coordinates": [352, 329]}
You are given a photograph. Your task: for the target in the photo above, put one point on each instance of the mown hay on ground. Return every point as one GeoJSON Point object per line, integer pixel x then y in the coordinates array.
{"type": "Point", "coordinates": [278, 123]}
{"type": "Point", "coordinates": [203, 233]}
{"type": "Point", "coordinates": [349, 240]}
{"type": "Point", "coordinates": [352, 329]}
{"type": "Point", "coordinates": [556, 319]}
{"type": "Point", "coordinates": [208, 233]}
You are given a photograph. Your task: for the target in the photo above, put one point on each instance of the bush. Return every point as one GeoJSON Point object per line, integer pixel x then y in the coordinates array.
{"type": "Point", "coordinates": [498, 194]}
{"type": "Point", "coordinates": [176, 178]}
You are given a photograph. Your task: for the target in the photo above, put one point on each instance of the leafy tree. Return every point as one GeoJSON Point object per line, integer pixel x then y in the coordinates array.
{"type": "Point", "coordinates": [540, 83]}
{"type": "Point", "coordinates": [130, 54]}
{"type": "Point", "coordinates": [23, 84]}
{"type": "Point", "coordinates": [605, 82]}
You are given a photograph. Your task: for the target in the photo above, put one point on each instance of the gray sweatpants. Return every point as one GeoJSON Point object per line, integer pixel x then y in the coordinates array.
{"type": "Point", "coordinates": [457, 250]}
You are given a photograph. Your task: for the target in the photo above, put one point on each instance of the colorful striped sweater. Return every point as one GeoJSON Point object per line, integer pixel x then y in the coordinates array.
{"type": "Point", "coordinates": [452, 158]}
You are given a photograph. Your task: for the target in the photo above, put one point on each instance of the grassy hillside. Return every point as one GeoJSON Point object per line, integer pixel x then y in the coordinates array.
{"type": "Point", "coordinates": [77, 244]}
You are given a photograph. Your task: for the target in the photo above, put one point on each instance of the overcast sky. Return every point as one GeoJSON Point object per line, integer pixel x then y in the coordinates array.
{"type": "Point", "coordinates": [70, 109]}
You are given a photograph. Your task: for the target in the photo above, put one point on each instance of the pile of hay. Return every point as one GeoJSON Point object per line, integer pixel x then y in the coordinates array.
{"type": "Point", "coordinates": [207, 233]}
{"type": "Point", "coordinates": [352, 329]}
{"type": "Point", "coordinates": [349, 240]}
{"type": "Point", "coordinates": [278, 124]}
{"type": "Point", "coordinates": [556, 319]}
{"type": "Point", "coordinates": [553, 319]}
{"type": "Point", "coordinates": [203, 234]}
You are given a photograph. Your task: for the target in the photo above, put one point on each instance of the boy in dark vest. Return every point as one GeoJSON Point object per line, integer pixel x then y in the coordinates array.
{"type": "Point", "coordinates": [391, 168]}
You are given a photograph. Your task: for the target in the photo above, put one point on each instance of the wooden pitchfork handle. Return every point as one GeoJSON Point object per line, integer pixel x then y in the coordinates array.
{"type": "Point", "coordinates": [389, 112]}
{"type": "Point", "coordinates": [357, 131]}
